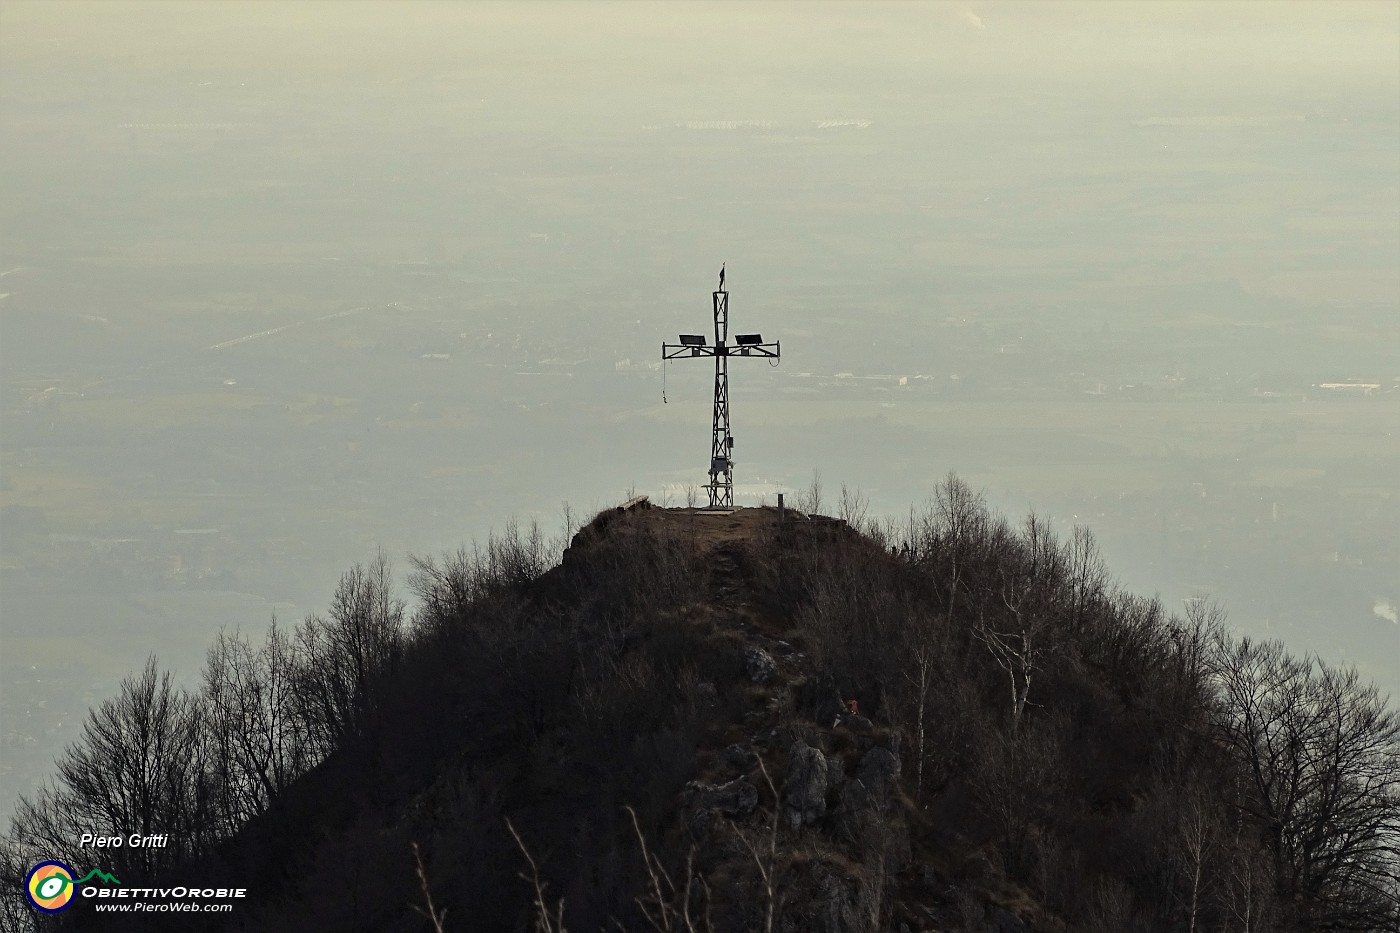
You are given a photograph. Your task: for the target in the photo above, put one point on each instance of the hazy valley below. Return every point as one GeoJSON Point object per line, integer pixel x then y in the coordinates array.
{"type": "Point", "coordinates": [263, 312]}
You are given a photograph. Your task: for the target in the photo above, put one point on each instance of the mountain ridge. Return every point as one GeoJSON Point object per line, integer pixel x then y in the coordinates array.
{"type": "Point", "coordinates": [755, 720]}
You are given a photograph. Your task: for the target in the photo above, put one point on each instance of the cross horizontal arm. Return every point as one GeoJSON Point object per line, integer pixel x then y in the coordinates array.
{"type": "Point", "coordinates": [673, 351]}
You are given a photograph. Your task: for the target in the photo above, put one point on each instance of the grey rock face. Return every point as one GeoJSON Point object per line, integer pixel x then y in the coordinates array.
{"type": "Point", "coordinates": [737, 798]}
{"type": "Point", "coordinates": [838, 904]}
{"type": "Point", "coordinates": [868, 792]}
{"type": "Point", "coordinates": [706, 696]}
{"type": "Point", "coordinates": [784, 650]}
{"type": "Point", "coordinates": [1002, 921]}
{"type": "Point", "coordinates": [760, 664]}
{"type": "Point", "coordinates": [857, 724]}
{"type": "Point", "coordinates": [879, 772]}
{"type": "Point", "coordinates": [737, 756]}
{"type": "Point", "coordinates": [809, 776]}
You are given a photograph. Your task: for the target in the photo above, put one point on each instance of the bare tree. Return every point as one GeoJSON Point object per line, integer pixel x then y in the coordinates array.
{"type": "Point", "coordinates": [1029, 591]}
{"type": "Point", "coordinates": [1088, 577]}
{"type": "Point", "coordinates": [257, 744]}
{"type": "Point", "coordinates": [517, 557]}
{"type": "Point", "coordinates": [954, 530]}
{"type": "Point", "coordinates": [1017, 650]}
{"type": "Point", "coordinates": [15, 861]}
{"type": "Point", "coordinates": [810, 499]}
{"type": "Point", "coordinates": [920, 679]}
{"type": "Point", "coordinates": [448, 586]}
{"type": "Point", "coordinates": [44, 826]}
{"type": "Point", "coordinates": [137, 769]}
{"type": "Point", "coordinates": [342, 660]}
{"type": "Point", "coordinates": [1015, 639]}
{"type": "Point", "coordinates": [1188, 664]}
{"type": "Point", "coordinates": [1196, 841]}
{"type": "Point", "coordinates": [1248, 897]}
{"type": "Point", "coordinates": [853, 507]}
{"type": "Point", "coordinates": [1193, 843]}
{"type": "Point", "coordinates": [1322, 752]}
{"type": "Point", "coordinates": [1017, 775]}
{"type": "Point", "coordinates": [570, 521]}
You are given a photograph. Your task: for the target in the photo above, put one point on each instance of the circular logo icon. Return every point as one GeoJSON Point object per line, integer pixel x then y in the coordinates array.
{"type": "Point", "coordinates": [50, 886]}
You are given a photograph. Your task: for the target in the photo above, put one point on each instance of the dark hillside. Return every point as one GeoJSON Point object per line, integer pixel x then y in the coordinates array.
{"type": "Point", "coordinates": [731, 722]}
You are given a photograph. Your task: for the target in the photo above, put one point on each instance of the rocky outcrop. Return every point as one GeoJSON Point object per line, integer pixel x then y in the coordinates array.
{"type": "Point", "coordinates": [819, 699]}
{"type": "Point", "coordinates": [868, 791]}
{"type": "Point", "coordinates": [879, 773]}
{"type": "Point", "coordinates": [857, 724]}
{"type": "Point", "coordinates": [706, 802]}
{"type": "Point", "coordinates": [831, 904]}
{"type": "Point", "coordinates": [999, 920]}
{"type": "Point", "coordinates": [740, 758]}
{"type": "Point", "coordinates": [759, 664]}
{"type": "Point", "coordinates": [809, 776]}
{"type": "Point", "coordinates": [706, 696]}
{"type": "Point", "coordinates": [737, 798]}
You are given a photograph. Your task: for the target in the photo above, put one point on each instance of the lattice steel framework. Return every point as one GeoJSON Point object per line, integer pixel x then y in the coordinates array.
{"type": "Point", "coordinates": [721, 484]}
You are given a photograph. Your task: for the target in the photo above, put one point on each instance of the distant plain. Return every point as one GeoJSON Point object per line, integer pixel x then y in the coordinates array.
{"type": "Point", "coordinates": [268, 309]}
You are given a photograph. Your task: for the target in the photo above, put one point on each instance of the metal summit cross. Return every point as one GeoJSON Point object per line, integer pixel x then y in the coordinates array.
{"type": "Point", "coordinates": [721, 485]}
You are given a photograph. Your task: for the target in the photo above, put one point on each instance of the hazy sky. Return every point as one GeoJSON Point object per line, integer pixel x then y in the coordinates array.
{"type": "Point", "coordinates": [552, 55]}
{"type": "Point", "coordinates": [284, 282]}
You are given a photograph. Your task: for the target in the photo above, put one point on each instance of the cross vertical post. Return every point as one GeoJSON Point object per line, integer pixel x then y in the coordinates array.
{"type": "Point", "coordinates": [721, 468]}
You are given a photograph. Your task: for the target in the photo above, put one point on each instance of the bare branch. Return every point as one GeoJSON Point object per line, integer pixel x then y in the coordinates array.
{"type": "Point", "coordinates": [544, 921]}
{"type": "Point", "coordinates": [435, 917]}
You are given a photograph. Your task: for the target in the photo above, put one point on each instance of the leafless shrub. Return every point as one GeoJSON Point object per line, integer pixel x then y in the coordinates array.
{"type": "Point", "coordinates": [570, 521]}
{"type": "Point", "coordinates": [1113, 909]}
{"type": "Point", "coordinates": [545, 920]}
{"type": "Point", "coordinates": [853, 507]}
{"type": "Point", "coordinates": [809, 500]}
{"type": "Point", "coordinates": [764, 852]}
{"type": "Point", "coordinates": [971, 912]}
{"type": "Point", "coordinates": [448, 587]}
{"type": "Point", "coordinates": [666, 906]}
{"type": "Point", "coordinates": [1017, 776]}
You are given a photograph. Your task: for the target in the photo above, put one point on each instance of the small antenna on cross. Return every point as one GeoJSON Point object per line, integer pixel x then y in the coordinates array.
{"type": "Point", "coordinates": [721, 484]}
